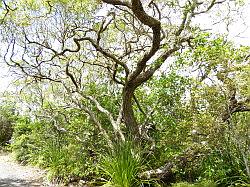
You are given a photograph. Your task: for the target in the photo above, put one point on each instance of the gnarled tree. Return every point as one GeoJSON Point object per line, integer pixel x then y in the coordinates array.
{"type": "Point", "coordinates": [122, 41]}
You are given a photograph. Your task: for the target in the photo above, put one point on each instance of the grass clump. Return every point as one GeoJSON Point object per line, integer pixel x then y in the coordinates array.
{"type": "Point", "coordinates": [122, 164]}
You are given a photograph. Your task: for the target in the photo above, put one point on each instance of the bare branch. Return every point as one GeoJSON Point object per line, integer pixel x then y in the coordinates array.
{"type": "Point", "coordinates": [71, 76]}
{"type": "Point", "coordinates": [108, 114]}
{"type": "Point", "coordinates": [117, 2]}
{"type": "Point", "coordinates": [213, 2]}
{"type": "Point", "coordinates": [98, 48]}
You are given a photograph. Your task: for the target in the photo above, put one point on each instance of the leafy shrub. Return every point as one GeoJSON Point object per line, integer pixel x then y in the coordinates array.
{"type": "Point", "coordinates": [65, 157]}
{"type": "Point", "coordinates": [22, 140]}
{"type": "Point", "coordinates": [226, 161]}
{"type": "Point", "coordinates": [7, 120]}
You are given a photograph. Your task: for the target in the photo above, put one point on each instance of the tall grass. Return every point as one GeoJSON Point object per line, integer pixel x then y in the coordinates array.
{"type": "Point", "coordinates": [122, 164]}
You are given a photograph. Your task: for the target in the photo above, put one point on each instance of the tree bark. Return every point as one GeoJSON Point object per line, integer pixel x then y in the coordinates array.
{"type": "Point", "coordinates": [128, 113]}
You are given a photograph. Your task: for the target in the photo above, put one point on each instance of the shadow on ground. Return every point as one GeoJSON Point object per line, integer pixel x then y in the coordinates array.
{"type": "Point", "coordinates": [17, 182]}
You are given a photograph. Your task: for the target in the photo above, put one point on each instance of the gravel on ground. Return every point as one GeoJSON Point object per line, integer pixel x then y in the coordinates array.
{"type": "Point", "coordinates": [13, 174]}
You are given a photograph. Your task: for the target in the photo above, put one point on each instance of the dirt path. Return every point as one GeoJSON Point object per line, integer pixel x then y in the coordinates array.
{"type": "Point", "coordinates": [14, 175]}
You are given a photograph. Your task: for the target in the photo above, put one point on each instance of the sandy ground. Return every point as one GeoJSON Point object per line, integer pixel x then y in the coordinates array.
{"type": "Point", "coordinates": [13, 174]}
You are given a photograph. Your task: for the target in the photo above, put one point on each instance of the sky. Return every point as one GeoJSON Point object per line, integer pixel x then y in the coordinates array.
{"type": "Point", "coordinates": [5, 78]}
{"type": "Point", "coordinates": [239, 32]}
{"type": "Point", "coordinates": [239, 27]}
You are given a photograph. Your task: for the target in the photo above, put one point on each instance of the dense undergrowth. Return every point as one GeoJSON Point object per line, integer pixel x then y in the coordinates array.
{"type": "Point", "coordinates": [201, 154]}
{"type": "Point", "coordinates": [72, 154]}
{"type": "Point", "coordinates": [201, 151]}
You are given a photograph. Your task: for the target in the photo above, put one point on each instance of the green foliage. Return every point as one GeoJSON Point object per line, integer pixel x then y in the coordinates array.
{"type": "Point", "coordinates": [66, 155]}
{"type": "Point", "coordinates": [76, 60]}
{"type": "Point", "coordinates": [226, 161]}
{"type": "Point", "coordinates": [122, 164]}
{"type": "Point", "coordinates": [183, 112]}
{"type": "Point", "coordinates": [201, 184]}
{"type": "Point", "coordinates": [166, 97]}
{"type": "Point", "coordinates": [23, 142]}
{"type": "Point", "coordinates": [7, 120]}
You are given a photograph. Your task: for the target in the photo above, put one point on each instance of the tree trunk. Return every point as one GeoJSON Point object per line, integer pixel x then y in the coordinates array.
{"type": "Point", "coordinates": [128, 113]}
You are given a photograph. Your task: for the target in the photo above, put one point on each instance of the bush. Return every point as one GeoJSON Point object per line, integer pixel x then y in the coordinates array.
{"type": "Point", "coordinates": [65, 157]}
{"type": "Point", "coordinates": [7, 120]}
{"type": "Point", "coordinates": [225, 162]}
{"type": "Point", "coordinates": [23, 142]}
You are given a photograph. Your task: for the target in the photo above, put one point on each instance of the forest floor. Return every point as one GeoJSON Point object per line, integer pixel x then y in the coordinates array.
{"type": "Point", "coordinates": [13, 174]}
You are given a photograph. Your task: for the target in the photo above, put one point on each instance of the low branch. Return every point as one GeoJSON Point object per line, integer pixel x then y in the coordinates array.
{"type": "Point", "coordinates": [166, 173]}
{"type": "Point", "coordinates": [91, 115]}
{"type": "Point", "coordinates": [94, 119]}
{"type": "Point", "coordinates": [116, 126]}
{"type": "Point", "coordinates": [159, 173]}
